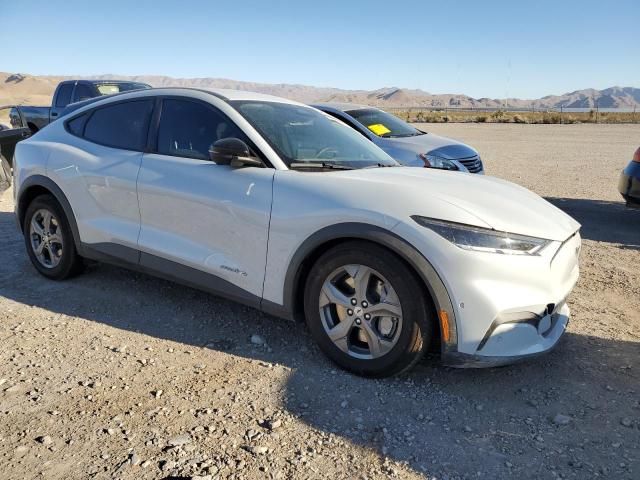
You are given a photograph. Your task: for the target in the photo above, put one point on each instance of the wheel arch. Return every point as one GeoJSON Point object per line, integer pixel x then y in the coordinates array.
{"type": "Point", "coordinates": [37, 185]}
{"type": "Point", "coordinates": [318, 243]}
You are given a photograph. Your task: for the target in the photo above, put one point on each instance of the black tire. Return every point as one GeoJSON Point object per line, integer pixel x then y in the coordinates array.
{"type": "Point", "coordinates": [5, 173]}
{"type": "Point", "coordinates": [70, 263]}
{"type": "Point", "coordinates": [417, 325]}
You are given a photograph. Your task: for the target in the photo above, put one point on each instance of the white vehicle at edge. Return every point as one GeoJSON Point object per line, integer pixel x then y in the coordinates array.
{"type": "Point", "coordinates": [279, 206]}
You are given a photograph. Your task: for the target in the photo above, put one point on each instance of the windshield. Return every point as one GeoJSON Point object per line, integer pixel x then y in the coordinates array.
{"type": "Point", "coordinates": [302, 134]}
{"type": "Point", "coordinates": [111, 88]}
{"type": "Point", "coordinates": [383, 124]}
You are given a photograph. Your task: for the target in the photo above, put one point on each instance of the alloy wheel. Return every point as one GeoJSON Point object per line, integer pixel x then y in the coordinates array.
{"type": "Point", "coordinates": [360, 311]}
{"type": "Point", "coordinates": [46, 238]}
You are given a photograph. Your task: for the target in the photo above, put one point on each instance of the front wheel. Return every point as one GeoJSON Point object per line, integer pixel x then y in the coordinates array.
{"type": "Point", "coordinates": [366, 310]}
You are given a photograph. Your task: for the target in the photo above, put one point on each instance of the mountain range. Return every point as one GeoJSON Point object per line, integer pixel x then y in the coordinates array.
{"type": "Point", "coordinates": [30, 89]}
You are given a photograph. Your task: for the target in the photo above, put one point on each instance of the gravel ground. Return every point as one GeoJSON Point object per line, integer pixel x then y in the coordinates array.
{"type": "Point", "coordinates": [120, 375]}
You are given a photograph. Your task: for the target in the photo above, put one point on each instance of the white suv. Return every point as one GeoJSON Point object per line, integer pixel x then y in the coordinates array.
{"type": "Point", "coordinates": [279, 206]}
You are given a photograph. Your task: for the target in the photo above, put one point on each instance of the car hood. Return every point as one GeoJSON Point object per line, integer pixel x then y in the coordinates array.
{"type": "Point", "coordinates": [477, 200]}
{"type": "Point", "coordinates": [433, 144]}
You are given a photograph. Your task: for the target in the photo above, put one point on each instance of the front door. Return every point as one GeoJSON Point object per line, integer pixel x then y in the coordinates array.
{"type": "Point", "coordinates": [203, 223]}
{"type": "Point", "coordinates": [12, 130]}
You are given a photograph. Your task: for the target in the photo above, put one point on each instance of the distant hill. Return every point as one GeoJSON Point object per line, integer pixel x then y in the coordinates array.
{"type": "Point", "coordinates": [29, 89]}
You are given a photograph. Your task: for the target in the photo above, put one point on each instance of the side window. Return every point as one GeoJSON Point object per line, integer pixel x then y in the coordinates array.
{"type": "Point", "coordinates": [346, 122]}
{"type": "Point", "coordinates": [188, 129]}
{"type": "Point", "coordinates": [64, 95]}
{"type": "Point", "coordinates": [76, 125]}
{"type": "Point", "coordinates": [123, 125]}
{"type": "Point", "coordinates": [83, 92]}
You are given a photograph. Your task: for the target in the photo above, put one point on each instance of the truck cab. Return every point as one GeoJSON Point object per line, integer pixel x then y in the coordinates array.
{"type": "Point", "coordinates": [72, 91]}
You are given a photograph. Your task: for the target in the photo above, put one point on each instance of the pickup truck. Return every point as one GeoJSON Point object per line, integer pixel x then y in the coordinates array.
{"type": "Point", "coordinates": [71, 91]}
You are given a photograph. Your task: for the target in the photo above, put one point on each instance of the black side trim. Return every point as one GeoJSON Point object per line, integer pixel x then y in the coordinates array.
{"type": "Point", "coordinates": [383, 237]}
{"type": "Point", "coordinates": [112, 253]}
{"type": "Point", "coordinates": [197, 279]}
{"type": "Point", "coordinates": [56, 191]}
{"type": "Point", "coordinates": [133, 259]}
{"type": "Point", "coordinates": [276, 310]}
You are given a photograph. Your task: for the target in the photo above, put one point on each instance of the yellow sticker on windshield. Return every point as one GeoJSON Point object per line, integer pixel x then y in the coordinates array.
{"type": "Point", "coordinates": [379, 129]}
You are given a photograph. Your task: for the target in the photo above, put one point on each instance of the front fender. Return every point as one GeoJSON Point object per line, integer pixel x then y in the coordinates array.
{"type": "Point", "coordinates": [310, 248]}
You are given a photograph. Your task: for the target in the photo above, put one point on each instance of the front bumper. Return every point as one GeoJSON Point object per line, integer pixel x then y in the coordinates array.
{"type": "Point", "coordinates": [514, 340]}
{"type": "Point", "coordinates": [629, 184]}
{"type": "Point", "coordinates": [507, 308]}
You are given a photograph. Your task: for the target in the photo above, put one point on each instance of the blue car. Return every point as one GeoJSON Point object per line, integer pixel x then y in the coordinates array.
{"type": "Point", "coordinates": [403, 142]}
{"type": "Point", "coordinates": [629, 183]}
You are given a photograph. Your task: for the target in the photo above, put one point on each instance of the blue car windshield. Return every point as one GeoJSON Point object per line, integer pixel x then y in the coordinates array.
{"type": "Point", "coordinates": [301, 134]}
{"type": "Point", "coordinates": [383, 124]}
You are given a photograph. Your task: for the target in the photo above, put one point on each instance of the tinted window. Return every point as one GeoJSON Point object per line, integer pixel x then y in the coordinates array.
{"type": "Point", "coordinates": [64, 95]}
{"type": "Point", "coordinates": [124, 125]}
{"type": "Point", "coordinates": [83, 92]}
{"type": "Point", "coordinates": [76, 125]}
{"type": "Point", "coordinates": [187, 129]}
{"type": "Point", "coordinates": [344, 120]}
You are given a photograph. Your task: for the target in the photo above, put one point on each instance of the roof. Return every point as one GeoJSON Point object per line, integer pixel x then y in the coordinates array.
{"type": "Point", "coordinates": [343, 107]}
{"type": "Point", "coordinates": [101, 80]}
{"type": "Point", "coordinates": [232, 94]}
{"type": "Point", "coordinates": [223, 94]}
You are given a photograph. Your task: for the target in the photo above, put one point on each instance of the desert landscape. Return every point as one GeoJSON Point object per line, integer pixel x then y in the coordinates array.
{"type": "Point", "coordinates": [25, 89]}
{"type": "Point", "coordinates": [124, 376]}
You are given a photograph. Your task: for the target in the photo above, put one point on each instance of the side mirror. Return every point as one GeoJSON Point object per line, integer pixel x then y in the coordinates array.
{"type": "Point", "coordinates": [234, 152]}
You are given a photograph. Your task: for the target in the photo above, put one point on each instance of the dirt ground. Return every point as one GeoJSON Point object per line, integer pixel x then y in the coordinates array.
{"type": "Point", "coordinates": [120, 375]}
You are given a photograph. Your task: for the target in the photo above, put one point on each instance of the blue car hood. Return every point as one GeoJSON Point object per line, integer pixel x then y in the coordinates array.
{"type": "Point", "coordinates": [429, 143]}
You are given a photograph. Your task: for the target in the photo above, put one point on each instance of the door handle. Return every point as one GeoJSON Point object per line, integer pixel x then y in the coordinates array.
{"type": "Point", "coordinates": [54, 114]}
{"type": "Point", "coordinates": [24, 134]}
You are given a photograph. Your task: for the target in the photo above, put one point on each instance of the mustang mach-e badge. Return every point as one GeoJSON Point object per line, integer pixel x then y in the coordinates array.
{"type": "Point", "coordinates": [234, 270]}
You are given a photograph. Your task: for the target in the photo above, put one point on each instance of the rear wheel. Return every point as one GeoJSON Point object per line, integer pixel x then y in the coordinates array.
{"type": "Point", "coordinates": [365, 309]}
{"type": "Point", "coordinates": [49, 240]}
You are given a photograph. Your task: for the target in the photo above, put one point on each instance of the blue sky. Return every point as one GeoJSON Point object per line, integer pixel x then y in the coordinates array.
{"type": "Point", "coordinates": [523, 49]}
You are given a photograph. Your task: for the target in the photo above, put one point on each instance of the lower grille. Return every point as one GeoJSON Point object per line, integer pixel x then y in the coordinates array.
{"type": "Point", "coordinates": [473, 164]}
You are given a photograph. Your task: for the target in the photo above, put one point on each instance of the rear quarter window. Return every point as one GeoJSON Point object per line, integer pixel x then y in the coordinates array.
{"type": "Point", "coordinates": [123, 125]}
{"type": "Point", "coordinates": [76, 125]}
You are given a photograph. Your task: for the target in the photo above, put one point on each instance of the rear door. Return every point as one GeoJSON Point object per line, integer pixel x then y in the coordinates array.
{"type": "Point", "coordinates": [12, 129]}
{"type": "Point", "coordinates": [98, 173]}
{"type": "Point", "coordinates": [201, 222]}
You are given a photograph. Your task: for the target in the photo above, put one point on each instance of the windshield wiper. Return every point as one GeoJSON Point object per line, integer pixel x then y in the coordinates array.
{"type": "Point", "coordinates": [382, 165]}
{"type": "Point", "coordinates": [402, 135]}
{"type": "Point", "coordinates": [323, 165]}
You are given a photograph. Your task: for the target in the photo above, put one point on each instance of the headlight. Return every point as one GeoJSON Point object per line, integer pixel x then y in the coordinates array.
{"type": "Point", "coordinates": [484, 239]}
{"type": "Point", "coordinates": [434, 161]}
